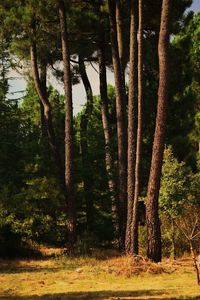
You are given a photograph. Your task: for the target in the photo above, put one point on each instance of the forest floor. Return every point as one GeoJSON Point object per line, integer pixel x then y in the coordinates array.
{"type": "Point", "coordinates": [102, 276]}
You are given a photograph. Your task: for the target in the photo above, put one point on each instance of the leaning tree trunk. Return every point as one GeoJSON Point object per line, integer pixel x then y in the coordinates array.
{"type": "Point", "coordinates": [46, 116]}
{"type": "Point", "coordinates": [152, 216]}
{"type": "Point", "coordinates": [107, 135]}
{"type": "Point", "coordinates": [69, 180]}
{"type": "Point", "coordinates": [87, 172]}
{"type": "Point", "coordinates": [132, 99]}
{"type": "Point", "coordinates": [134, 246]}
{"type": "Point", "coordinates": [121, 124]}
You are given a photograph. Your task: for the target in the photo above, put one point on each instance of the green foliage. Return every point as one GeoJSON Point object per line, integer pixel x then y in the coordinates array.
{"type": "Point", "coordinates": [179, 196]}
{"type": "Point", "coordinates": [96, 159]}
{"type": "Point", "coordinates": [174, 185]}
{"type": "Point", "coordinates": [32, 205]}
{"type": "Point", "coordinates": [184, 101]}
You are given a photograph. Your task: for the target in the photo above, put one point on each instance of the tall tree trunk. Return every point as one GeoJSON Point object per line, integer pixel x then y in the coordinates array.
{"type": "Point", "coordinates": [121, 124]}
{"type": "Point", "coordinates": [132, 100]}
{"type": "Point", "coordinates": [139, 130]}
{"type": "Point", "coordinates": [152, 216]}
{"type": "Point", "coordinates": [87, 178]}
{"type": "Point", "coordinates": [107, 135]}
{"type": "Point", "coordinates": [46, 117]}
{"type": "Point", "coordinates": [69, 178]}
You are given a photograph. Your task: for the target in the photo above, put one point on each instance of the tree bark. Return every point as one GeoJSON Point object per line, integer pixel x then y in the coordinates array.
{"type": "Point", "coordinates": [134, 246]}
{"type": "Point", "coordinates": [46, 117]}
{"type": "Point", "coordinates": [107, 135]}
{"type": "Point", "coordinates": [132, 100]}
{"type": "Point", "coordinates": [120, 41]}
{"type": "Point", "coordinates": [194, 260]}
{"type": "Point", "coordinates": [43, 79]}
{"type": "Point", "coordinates": [152, 216]}
{"type": "Point", "coordinates": [87, 178]}
{"type": "Point", "coordinates": [121, 124]}
{"type": "Point", "coordinates": [173, 239]}
{"type": "Point", "coordinates": [120, 34]}
{"type": "Point", "coordinates": [69, 177]}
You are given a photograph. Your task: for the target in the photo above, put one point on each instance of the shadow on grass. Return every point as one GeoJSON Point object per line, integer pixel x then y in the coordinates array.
{"type": "Point", "coordinates": [22, 269]}
{"type": "Point", "coordinates": [8, 266]}
{"type": "Point", "coordinates": [16, 267]}
{"type": "Point", "coordinates": [100, 295]}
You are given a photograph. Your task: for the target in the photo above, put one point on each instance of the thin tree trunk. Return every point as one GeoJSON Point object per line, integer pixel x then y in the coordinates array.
{"type": "Point", "coordinates": [139, 130]}
{"type": "Point", "coordinates": [173, 239]}
{"type": "Point", "coordinates": [120, 41]}
{"type": "Point", "coordinates": [120, 34]}
{"type": "Point", "coordinates": [87, 178]}
{"type": "Point", "coordinates": [152, 216]}
{"type": "Point", "coordinates": [194, 260]}
{"type": "Point", "coordinates": [43, 80]}
{"type": "Point", "coordinates": [46, 117]}
{"type": "Point", "coordinates": [121, 49]}
{"type": "Point", "coordinates": [107, 135]}
{"type": "Point", "coordinates": [121, 125]}
{"type": "Point", "coordinates": [69, 178]}
{"type": "Point", "coordinates": [132, 99]}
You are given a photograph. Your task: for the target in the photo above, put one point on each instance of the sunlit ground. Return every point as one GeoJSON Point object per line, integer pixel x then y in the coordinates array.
{"type": "Point", "coordinates": [97, 278]}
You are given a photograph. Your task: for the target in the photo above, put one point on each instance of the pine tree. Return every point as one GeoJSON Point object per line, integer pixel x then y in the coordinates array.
{"type": "Point", "coordinates": [153, 223]}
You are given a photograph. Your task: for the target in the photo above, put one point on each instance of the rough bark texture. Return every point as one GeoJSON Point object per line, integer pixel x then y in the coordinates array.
{"type": "Point", "coordinates": [87, 178]}
{"type": "Point", "coordinates": [46, 117]}
{"type": "Point", "coordinates": [121, 124]}
{"type": "Point", "coordinates": [134, 229]}
{"type": "Point", "coordinates": [107, 135]}
{"type": "Point", "coordinates": [132, 100]}
{"type": "Point", "coordinates": [69, 180]}
{"type": "Point", "coordinates": [152, 217]}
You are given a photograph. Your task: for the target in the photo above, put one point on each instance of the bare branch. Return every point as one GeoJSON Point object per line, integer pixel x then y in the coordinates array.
{"type": "Point", "coordinates": [94, 67]}
{"type": "Point", "coordinates": [181, 229]}
{"type": "Point", "coordinates": [196, 235]}
{"type": "Point", "coordinates": [194, 227]}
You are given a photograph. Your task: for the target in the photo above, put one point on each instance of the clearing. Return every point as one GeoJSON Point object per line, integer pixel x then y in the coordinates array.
{"type": "Point", "coordinates": [98, 277]}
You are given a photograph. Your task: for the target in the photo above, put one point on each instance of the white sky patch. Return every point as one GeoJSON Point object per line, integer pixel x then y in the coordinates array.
{"type": "Point", "coordinates": [17, 85]}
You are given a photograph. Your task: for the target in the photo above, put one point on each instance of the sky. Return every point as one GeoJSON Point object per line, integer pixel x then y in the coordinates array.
{"type": "Point", "coordinates": [18, 83]}
{"type": "Point", "coordinates": [196, 5]}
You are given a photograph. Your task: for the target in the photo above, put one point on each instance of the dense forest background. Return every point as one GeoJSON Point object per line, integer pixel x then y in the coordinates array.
{"type": "Point", "coordinates": [63, 179]}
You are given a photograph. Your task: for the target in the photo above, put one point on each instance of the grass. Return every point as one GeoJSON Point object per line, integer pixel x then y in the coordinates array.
{"type": "Point", "coordinates": [63, 278]}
